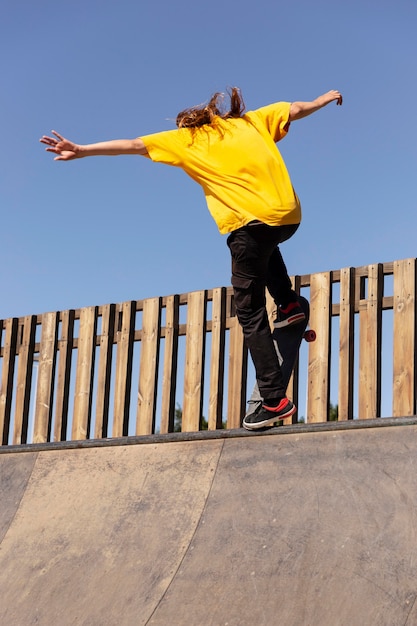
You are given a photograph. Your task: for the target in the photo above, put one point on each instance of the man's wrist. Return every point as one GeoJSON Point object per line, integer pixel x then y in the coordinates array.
{"type": "Point", "coordinates": [80, 151]}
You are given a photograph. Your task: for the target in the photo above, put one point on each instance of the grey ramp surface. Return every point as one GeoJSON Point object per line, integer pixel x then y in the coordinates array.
{"type": "Point", "coordinates": [100, 532]}
{"type": "Point", "coordinates": [15, 471]}
{"type": "Point", "coordinates": [317, 528]}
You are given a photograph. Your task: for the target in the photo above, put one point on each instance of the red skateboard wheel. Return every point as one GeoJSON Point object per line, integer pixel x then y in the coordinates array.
{"type": "Point", "coordinates": [310, 335]}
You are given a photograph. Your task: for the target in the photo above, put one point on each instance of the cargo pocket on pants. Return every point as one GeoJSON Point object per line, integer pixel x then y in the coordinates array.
{"type": "Point", "coordinates": [243, 293]}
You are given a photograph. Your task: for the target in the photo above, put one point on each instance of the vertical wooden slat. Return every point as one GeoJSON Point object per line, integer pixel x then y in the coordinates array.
{"type": "Point", "coordinates": [46, 372]}
{"type": "Point", "coordinates": [84, 373]}
{"type": "Point", "coordinates": [7, 373]}
{"type": "Point", "coordinates": [169, 377]}
{"type": "Point", "coordinates": [149, 360]}
{"type": "Point", "coordinates": [346, 343]}
{"type": "Point", "coordinates": [404, 361]}
{"type": "Point", "coordinates": [65, 348]}
{"type": "Point", "coordinates": [319, 354]}
{"type": "Point", "coordinates": [218, 325]}
{"type": "Point", "coordinates": [104, 371]}
{"type": "Point", "coordinates": [194, 361]}
{"type": "Point", "coordinates": [370, 316]}
{"type": "Point", "coordinates": [125, 339]}
{"type": "Point", "coordinates": [237, 379]}
{"type": "Point", "coordinates": [24, 380]}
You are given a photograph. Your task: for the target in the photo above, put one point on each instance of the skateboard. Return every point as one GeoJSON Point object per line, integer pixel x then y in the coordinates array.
{"type": "Point", "coordinates": [287, 342]}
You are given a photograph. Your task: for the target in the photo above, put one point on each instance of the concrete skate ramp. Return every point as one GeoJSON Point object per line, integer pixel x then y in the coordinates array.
{"type": "Point", "coordinates": [298, 526]}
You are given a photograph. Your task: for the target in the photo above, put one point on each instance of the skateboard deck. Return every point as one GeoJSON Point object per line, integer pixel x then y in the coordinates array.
{"type": "Point", "coordinates": [287, 342]}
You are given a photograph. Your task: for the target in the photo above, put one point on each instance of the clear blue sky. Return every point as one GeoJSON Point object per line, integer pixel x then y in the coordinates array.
{"type": "Point", "coordinates": [112, 229]}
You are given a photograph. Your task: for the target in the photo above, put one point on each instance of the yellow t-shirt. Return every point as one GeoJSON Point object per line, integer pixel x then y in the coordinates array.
{"type": "Point", "coordinates": [238, 165]}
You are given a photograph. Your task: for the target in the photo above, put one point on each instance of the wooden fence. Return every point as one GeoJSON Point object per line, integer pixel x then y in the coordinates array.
{"type": "Point", "coordinates": [125, 369]}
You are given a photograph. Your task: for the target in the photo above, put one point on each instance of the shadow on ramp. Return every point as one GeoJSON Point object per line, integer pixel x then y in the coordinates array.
{"type": "Point", "coordinates": [311, 527]}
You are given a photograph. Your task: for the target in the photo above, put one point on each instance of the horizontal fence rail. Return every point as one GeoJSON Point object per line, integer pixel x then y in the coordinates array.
{"type": "Point", "coordinates": [179, 362]}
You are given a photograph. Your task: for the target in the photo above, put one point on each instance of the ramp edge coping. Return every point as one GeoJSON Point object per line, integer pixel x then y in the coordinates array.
{"type": "Point", "coordinates": [211, 434]}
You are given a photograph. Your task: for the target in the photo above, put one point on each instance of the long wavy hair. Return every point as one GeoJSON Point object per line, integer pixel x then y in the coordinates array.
{"type": "Point", "coordinates": [197, 116]}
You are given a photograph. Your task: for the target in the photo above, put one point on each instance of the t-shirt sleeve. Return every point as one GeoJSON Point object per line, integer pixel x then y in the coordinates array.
{"type": "Point", "coordinates": [165, 147]}
{"type": "Point", "coordinates": [276, 118]}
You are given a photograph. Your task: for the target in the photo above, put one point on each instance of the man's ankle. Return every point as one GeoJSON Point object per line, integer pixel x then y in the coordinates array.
{"type": "Point", "coordinates": [274, 404]}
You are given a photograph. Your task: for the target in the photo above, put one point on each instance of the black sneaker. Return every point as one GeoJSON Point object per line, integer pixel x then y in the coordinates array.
{"type": "Point", "coordinates": [267, 416]}
{"type": "Point", "coordinates": [293, 314]}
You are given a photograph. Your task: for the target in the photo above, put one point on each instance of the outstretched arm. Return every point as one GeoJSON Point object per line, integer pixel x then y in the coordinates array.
{"type": "Point", "coordinates": [302, 109]}
{"type": "Point", "coordinates": [67, 150]}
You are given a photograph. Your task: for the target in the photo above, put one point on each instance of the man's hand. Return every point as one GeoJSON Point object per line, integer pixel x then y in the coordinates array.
{"type": "Point", "coordinates": [63, 148]}
{"type": "Point", "coordinates": [331, 95]}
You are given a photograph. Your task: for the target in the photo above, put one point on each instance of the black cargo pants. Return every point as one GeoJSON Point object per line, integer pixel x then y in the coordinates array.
{"type": "Point", "coordinates": [257, 264]}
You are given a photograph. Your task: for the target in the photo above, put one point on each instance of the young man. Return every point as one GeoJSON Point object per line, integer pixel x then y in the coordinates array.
{"type": "Point", "coordinates": [233, 156]}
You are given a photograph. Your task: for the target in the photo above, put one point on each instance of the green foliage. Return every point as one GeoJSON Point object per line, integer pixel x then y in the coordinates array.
{"type": "Point", "coordinates": [178, 420]}
{"type": "Point", "coordinates": [333, 412]}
